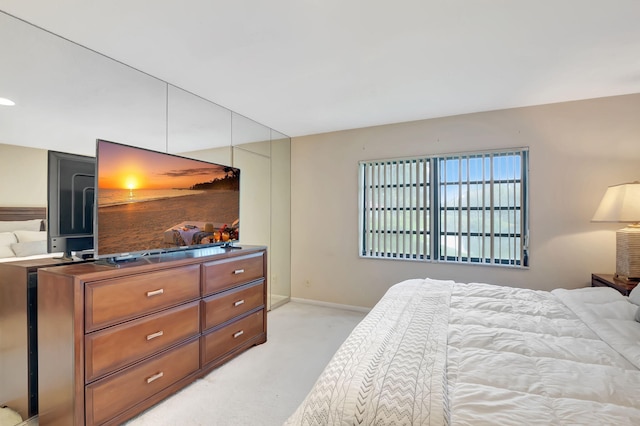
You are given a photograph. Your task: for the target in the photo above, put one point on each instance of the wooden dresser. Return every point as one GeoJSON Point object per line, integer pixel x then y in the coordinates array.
{"type": "Point", "coordinates": [113, 341]}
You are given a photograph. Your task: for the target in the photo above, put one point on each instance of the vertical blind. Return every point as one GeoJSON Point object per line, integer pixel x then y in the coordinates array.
{"type": "Point", "coordinates": [396, 200]}
{"type": "Point", "coordinates": [469, 208]}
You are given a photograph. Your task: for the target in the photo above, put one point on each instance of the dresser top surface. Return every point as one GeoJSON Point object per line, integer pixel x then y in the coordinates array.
{"type": "Point", "coordinates": [144, 263]}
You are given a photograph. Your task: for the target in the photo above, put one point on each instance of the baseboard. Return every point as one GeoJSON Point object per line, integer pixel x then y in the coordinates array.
{"type": "Point", "coordinates": [331, 305]}
{"type": "Point", "coordinates": [282, 301]}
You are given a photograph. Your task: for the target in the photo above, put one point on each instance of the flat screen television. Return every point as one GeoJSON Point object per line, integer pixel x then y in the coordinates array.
{"type": "Point", "coordinates": [70, 203]}
{"type": "Point", "coordinates": [149, 202]}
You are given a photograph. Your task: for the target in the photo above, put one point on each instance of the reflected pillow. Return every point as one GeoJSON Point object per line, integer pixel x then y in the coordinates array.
{"type": "Point", "coordinates": [29, 248]}
{"type": "Point", "coordinates": [6, 239]}
{"type": "Point", "coordinates": [26, 236]}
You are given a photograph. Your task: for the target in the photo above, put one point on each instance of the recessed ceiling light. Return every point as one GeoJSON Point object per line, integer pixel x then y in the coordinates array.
{"type": "Point", "coordinates": [6, 102]}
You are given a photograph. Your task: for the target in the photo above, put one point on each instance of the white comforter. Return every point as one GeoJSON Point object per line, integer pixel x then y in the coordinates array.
{"type": "Point", "coordinates": [439, 352]}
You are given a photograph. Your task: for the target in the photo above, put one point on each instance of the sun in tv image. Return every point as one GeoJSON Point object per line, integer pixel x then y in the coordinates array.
{"type": "Point", "coordinates": [150, 201]}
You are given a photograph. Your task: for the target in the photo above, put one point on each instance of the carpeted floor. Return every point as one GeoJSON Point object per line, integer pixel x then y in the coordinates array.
{"type": "Point", "coordinates": [264, 385]}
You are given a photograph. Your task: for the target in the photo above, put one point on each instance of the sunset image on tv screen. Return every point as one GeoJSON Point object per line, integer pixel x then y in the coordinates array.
{"type": "Point", "coordinates": [150, 201]}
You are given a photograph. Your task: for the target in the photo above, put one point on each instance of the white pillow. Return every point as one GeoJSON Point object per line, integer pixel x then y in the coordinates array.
{"type": "Point", "coordinates": [29, 248]}
{"type": "Point", "coordinates": [9, 417]}
{"type": "Point", "coordinates": [26, 236]}
{"type": "Point", "coordinates": [634, 296]}
{"type": "Point", "coordinates": [25, 225]}
{"type": "Point", "coordinates": [6, 239]}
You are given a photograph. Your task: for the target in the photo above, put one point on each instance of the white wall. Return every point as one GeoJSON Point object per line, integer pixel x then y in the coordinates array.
{"type": "Point", "coordinates": [23, 176]}
{"type": "Point", "coordinates": [577, 149]}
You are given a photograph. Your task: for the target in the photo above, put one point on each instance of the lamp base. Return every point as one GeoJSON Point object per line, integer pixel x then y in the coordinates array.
{"type": "Point", "coordinates": [627, 280]}
{"type": "Point", "coordinates": [628, 253]}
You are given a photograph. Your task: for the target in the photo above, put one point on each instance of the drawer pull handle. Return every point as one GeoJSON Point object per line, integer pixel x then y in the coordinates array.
{"type": "Point", "coordinates": [238, 271]}
{"type": "Point", "coordinates": [239, 302]}
{"type": "Point", "coordinates": [154, 335]}
{"type": "Point", "coordinates": [155, 292]}
{"type": "Point", "coordinates": [155, 377]}
{"type": "Point", "coordinates": [238, 334]}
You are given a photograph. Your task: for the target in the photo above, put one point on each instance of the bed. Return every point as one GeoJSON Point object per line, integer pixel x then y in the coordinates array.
{"type": "Point", "coordinates": [443, 353]}
{"type": "Point", "coordinates": [23, 234]}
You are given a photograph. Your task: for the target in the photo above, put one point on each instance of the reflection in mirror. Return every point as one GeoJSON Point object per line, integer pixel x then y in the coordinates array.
{"type": "Point", "coordinates": [255, 204]}
{"type": "Point", "coordinates": [68, 96]}
{"type": "Point", "coordinates": [251, 135]}
{"type": "Point", "coordinates": [194, 123]}
{"type": "Point", "coordinates": [22, 183]}
{"type": "Point", "coordinates": [220, 155]}
{"type": "Point", "coordinates": [280, 254]}
{"type": "Point", "coordinates": [251, 153]}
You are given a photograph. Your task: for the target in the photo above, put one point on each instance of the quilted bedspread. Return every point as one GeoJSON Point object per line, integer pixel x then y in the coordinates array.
{"type": "Point", "coordinates": [438, 352]}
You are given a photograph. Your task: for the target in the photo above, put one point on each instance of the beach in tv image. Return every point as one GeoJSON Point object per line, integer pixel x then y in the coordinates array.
{"type": "Point", "coordinates": [150, 201]}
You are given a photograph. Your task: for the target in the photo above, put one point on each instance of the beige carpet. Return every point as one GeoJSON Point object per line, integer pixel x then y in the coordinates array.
{"type": "Point", "coordinates": [264, 385]}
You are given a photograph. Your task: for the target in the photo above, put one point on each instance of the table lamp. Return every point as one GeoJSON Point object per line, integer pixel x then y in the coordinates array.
{"type": "Point", "coordinates": [621, 203]}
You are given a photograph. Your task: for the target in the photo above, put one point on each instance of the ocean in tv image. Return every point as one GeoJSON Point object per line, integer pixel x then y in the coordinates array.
{"type": "Point", "coordinates": [150, 201]}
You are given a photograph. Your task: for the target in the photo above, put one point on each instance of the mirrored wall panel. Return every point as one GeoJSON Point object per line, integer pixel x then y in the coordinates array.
{"type": "Point", "coordinates": [194, 123]}
{"type": "Point", "coordinates": [67, 96]}
{"type": "Point", "coordinates": [251, 135]}
{"type": "Point", "coordinates": [280, 256]}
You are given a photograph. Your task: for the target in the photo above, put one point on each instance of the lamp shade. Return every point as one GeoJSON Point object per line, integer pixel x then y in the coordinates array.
{"type": "Point", "coordinates": [621, 203]}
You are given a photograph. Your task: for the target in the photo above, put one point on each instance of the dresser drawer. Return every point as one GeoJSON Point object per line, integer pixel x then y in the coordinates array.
{"type": "Point", "coordinates": [227, 273]}
{"type": "Point", "coordinates": [224, 306]}
{"type": "Point", "coordinates": [112, 395]}
{"type": "Point", "coordinates": [225, 339]}
{"type": "Point", "coordinates": [114, 300]}
{"type": "Point", "coordinates": [118, 346]}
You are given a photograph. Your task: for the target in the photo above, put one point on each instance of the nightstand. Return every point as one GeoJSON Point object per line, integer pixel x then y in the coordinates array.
{"type": "Point", "coordinates": [608, 280]}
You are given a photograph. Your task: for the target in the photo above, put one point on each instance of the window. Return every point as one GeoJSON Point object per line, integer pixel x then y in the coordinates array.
{"type": "Point", "coordinates": [466, 208]}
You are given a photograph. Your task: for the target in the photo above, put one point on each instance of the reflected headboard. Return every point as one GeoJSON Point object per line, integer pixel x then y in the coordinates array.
{"type": "Point", "coordinates": [24, 213]}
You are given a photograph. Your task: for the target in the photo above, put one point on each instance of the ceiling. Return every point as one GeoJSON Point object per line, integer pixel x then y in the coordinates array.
{"type": "Point", "coordinates": [312, 66]}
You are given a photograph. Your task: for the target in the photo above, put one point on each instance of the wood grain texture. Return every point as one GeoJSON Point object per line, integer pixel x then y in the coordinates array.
{"type": "Point", "coordinates": [22, 213]}
{"type": "Point", "coordinates": [108, 354]}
